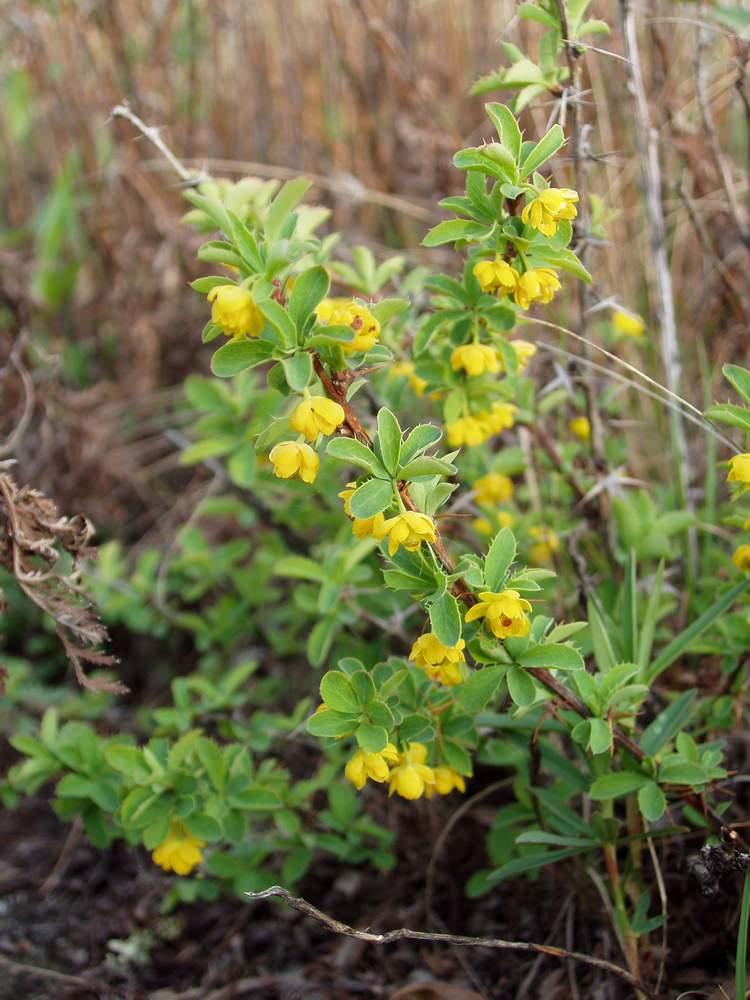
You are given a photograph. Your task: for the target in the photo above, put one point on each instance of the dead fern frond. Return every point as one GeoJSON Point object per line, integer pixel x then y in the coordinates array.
{"type": "Point", "coordinates": [44, 552]}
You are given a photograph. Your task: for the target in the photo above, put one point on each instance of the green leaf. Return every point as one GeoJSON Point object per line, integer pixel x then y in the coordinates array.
{"type": "Point", "coordinates": [530, 862]}
{"type": "Point", "coordinates": [685, 773]}
{"type": "Point", "coordinates": [355, 453]}
{"type": "Point", "coordinates": [445, 619]}
{"type": "Point", "coordinates": [507, 127]}
{"type": "Point", "coordinates": [300, 568]}
{"type": "Point", "coordinates": [616, 783]}
{"type": "Point", "coordinates": [207, 448]}
{"type": "Point", "coordinates": [551, 655]}
{"type": "Point", "coordinates": [285, 202]}
{"type": "Point", "coordinates": [388, 308]}
{"type": "Point", "coordinates": [239, 355]}
{"type": "Point", "coordinates": [604, 654]}
{"type": "Point", "coordinates": [681, 642]}
{"type": "Point", "coordinates": [667, 724]}
{"type": "Point", "coordinates": [648, 628]}
{"type": "Point", "coordinates": [280, 320]}
{"type": "Point", "coordinates": [424, 466]}
{"type": "Point", "coordinates": [337, 693]}
{"type": "Point", "coordinates": [479, 689]}
{"type": "Point", "coordinates": [600, 736]}
{"type": "Point", "coordinates": [298, 370]}
{"type": "Point", "coordinates": [521, 687]}
{"type": "Point", "coordinates": [371, 498]}
{"type": "Point", "coordinates": [363, 687]}
{"type": "Point", "coordinates": [388, 440]}
{"type": "Point", "coordinates": [421, 438]}
{"type": "Point", "coordinates": [555, 839]}
{"type": "Point", "coordinates": [257, 799]}
{"type": "Point", "coordinates": [309, 289]}
{"type": "Point", "coordinates": [204, 285]}
{"type": "Point", "coordinates": [213, 762]}
{"type": "Point", "coordinates": [202, 826]}
{"type": "Point", "coordinates": [498, 560]}
{"type": "Point", "coordinates": [452, 230]}
{"type": "Point", "coordinates": [630, 609]}
{"type": "Point", "coordinates": [547, 146]}
{"type": "Point", "coordinates": [651, 802]}
{"type": "Point", "coordinates": [129, 761]}
{"type": "Point", "coordinates": [332, 724]}
{"type": "Point", "coordinates": [728, 413]}
{"type": "Point", "coordinates": [371, 738]}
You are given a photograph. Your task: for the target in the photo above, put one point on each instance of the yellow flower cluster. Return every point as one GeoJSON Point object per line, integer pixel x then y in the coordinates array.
{"type": "Point", "coordinates": [364, 765]}
{"type": "Point", "coordinates": [347, 312]}
{"type": "Point", "coordinates": [441, 663]}
{"type": "Point", "coordinates": [524, 352]}
{"type": "Point", "coordinates": [493, 488]}
{"type": "Point", "coordinates": [475, 359]}
{"type": "Point", "coordinates": [235, 311]}
{"type": "Point", "coordinates": [294, 458]}
{"type": "Point", "coordinates": [536, 284]}
{"type": "Point", "coordinates": [472, 430]}
{"type": "Point", "coordinates": [316, 415]}
{"type": "Point", "coordinates": [180, 852]}
{"type": "Point", "coordinates": [410, 777]}
{"type": "Point", "coordinates": [739, 471]}
{"type": "Point", "coordinates": [405, 369]}
{"type": "Point", "coordinates": [483, 526]}
{"type": "Point", "coordinates": [628, 324]}
{"type": "Point", "coordinates": [741, 558]}
{"type": "Point", "coordinates": [581, 428]}
{"type": "Point", "coordinates": [505, 613]}
{"type": "Point", "coordinates": [547, 544]}
{"type": "Point", "coordinates": [548, 208]}
{"type": "Point", "coordinates": [410, 528]}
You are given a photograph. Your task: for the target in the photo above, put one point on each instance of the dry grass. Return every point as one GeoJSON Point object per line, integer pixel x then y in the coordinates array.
{"type": "Point", "coordinates": [370, 96]}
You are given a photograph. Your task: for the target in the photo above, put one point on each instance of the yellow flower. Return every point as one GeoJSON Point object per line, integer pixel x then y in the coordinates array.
{"type": "Point", "coordinates": [524, 352]}
{"type": "Point", "coordinates": [493, 488]}
{"type": "Point", "coordinates": [547, 544]}
{"type": "Point", "coordinates": [235, 311]}
{"type": "Point", "coordinates": [504, 613]}
{"type": "Point", "coordinates": [475, 359]}
{"type": "Point", "coordinates": [581, 427]}
{"type": "Point", "coordinates": [628, 324]}
{"type": "Point", "coordinates": [741, 558]}
{"type": "Point", "coordinates": [317, 415]}
{"type": "Point", "coordinates": [548, 208]}
{"type": "Point", "coordinates": [180, 852]}
{"type": "Point", "coordinates": [409, 529]}
{"type": "Point", "coordinates": [500, 417]}
{"type": "Point", "coordinates": [467, 430]}
{"type": "Point", "coordinates": [739, 470]}
{"type": "Point", "coordinates": [411, 776]}
{"type": "Point", "coordinates": [369, 527]}
{"type": "Point", "coordinates": [406, 369]}
{"type": "Point", "coordinates": [294, 458]}
{"type": "Point", "coordinates": [484, 527]}
{"type": "Point", "coordinates": [346, 496]}
{"type": "Point", "coordinates": [441, 663]}
{"type": "Point", "coordinates": [496, 276]}
{"type": "Point", "coordinates": [346, 312]}
{"type": "Point", "coordinates": [446, 780]}
{"type": "Point", "coordinates": [364, 765]}
{"type": "Point", "coordinates": [536, 285]}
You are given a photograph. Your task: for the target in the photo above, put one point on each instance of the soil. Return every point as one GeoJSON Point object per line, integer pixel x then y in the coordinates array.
{"type": "Point", "coordinates": [77, 923]}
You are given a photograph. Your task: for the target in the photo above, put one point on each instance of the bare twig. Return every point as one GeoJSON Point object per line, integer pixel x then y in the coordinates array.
{"type": "Point", "coordinates": [648, 143]}
{"type": "Point", "coordinates": [460, 940]}
{"type": "Point", "coordinates": [39, 972]}
{"type": "Point", "coordinates": [154, 137]}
